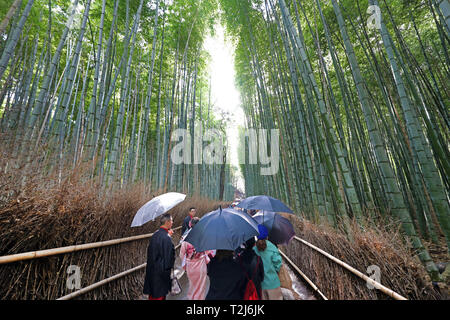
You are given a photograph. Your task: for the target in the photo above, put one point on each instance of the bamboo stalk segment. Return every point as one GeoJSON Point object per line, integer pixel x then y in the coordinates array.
{"type": "Point", "coordinates": [376, 284]}
{"type": "Point", "coordinates": [102, 282]}
{"type": "Point", "coordinates": [69, 249]}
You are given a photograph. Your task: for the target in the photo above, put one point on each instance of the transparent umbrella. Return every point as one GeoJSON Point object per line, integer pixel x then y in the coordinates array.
{"type": "Point", "coordinates": [156, 207]}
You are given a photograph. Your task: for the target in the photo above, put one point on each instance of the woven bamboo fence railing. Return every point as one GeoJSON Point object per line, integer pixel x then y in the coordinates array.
{"type": "Point", "coordinates": [359, 274]}
{"type": "Point", "coordinates": [74, 248]}
{"type": "Point", "coordinates": [312, 284]}
{"type": "Point", "coordinates": [102, 282]}
{"type": "Point", "coordinates": [69, 249]}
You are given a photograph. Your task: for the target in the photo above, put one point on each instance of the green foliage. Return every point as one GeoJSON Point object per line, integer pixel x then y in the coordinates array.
{"type": "Point", "coordinates": [346, 154]}
{"type": "Point", "coordinates": [362, 114]}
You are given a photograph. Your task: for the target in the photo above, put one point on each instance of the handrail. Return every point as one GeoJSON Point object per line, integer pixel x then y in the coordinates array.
{"type": "Point", "coordinates": [68, 249]}
{"type": "Point", "coordinates": [79, 247]}
{"type": "Point", "coordinates": [104, 281]}
{"type": "Point", "coordinates": [303, 275]}
{"type": "Point", "coordinates": [100, 283]}
{"type": "Point", "coordinates": [376, 284]}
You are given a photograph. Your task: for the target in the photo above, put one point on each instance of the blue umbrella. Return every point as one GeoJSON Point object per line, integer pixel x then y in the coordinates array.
{"type": "Point", "coordinates": [263, 203]}
{"type": "Point", "coordinates": [222, 229]}
{"type": "Point", "coordinates": [281, 230]}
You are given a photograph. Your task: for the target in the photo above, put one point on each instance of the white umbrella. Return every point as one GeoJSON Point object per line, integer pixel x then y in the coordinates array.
{"type": "Point", "coordinates": [156, 207]}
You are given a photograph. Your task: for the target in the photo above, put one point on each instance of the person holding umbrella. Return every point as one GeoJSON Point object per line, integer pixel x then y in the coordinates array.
{"type": "Point", "coordinates": [223, 230]}
{"type": "Point", "coordinates": [195, 264]}
{"type": "Point", "coordinates": [252, 264]}
{"type": "Point", "coordinates": [185, 226]}
{"type": "Point", "coordinates": [160, 261]}
{"type": "Point", "coordinates": [226, 277]}
{"type": "Point", "coordinates": [271, 286]}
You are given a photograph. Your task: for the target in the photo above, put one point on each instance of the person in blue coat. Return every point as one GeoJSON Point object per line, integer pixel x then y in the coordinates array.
{"type": "Point", "coordinates": [271, 286]}
{"type": "Point", "coordinates": [160, 261]}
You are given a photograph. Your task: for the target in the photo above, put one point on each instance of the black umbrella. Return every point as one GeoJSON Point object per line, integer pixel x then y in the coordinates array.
{"type": "Point", "coordinates": [281, 230]}
{"type": "Point", "coordinates": [222, 229]}
{"type": "Point", "coordinates": [262, 202]}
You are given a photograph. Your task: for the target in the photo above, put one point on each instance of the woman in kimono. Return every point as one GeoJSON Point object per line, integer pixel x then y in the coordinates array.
{"type": "Point", "coordinates": [195, 265]}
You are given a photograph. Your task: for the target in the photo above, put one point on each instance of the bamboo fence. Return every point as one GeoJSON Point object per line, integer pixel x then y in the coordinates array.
{"type": "Point", "coordinates": [69, 249]}
{"type": "Point", "coordinates": [359, 274]}
{"type": "Point", "coordinates": [74, 248]}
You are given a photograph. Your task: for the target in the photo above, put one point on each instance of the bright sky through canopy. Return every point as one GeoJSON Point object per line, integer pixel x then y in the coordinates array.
{"type": "Point", "coordinates": [224, 95]}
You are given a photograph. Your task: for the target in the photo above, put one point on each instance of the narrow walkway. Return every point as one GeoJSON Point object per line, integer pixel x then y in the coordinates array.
{"type": "Point", "coordinates": [301, 289]}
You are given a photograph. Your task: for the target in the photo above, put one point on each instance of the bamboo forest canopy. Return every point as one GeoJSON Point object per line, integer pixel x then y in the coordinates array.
{"type": "Point", "coordinates": [108, 82]}
{"type": "Point", "coordinates": [359, 93]}
{"type": "Point", "coordinates": [357, 89]}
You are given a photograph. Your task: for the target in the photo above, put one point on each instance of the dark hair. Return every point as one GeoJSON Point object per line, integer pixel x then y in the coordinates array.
{"type": "Point", "coordinates": [190, 209]}
{"type": "Point", "coordinates": [250, 243]}
{"type": "Point", "coordinates": [261, 244]}
{"type": "Point", "coordinates": [164, 218]}
{"type": "Point", "coordinates": [224, 254]}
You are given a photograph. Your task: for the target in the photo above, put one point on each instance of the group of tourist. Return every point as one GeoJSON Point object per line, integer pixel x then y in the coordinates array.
{"type": "Point", "coordinates": [232, 274]}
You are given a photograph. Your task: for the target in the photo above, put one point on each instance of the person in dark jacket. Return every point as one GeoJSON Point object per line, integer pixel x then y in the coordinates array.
{"type": "Point", "coordinates": [160, 261]}
{"type": "Point", "coordinates": [226, 277]}
{"type": "Point", "coordinates": [252, 264]}
{"type": "Point", "coordinates": [185, 226]}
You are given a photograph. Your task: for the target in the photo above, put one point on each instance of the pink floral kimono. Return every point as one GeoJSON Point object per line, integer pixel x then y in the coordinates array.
{"type": "Point", "coordinates": [195, 265]}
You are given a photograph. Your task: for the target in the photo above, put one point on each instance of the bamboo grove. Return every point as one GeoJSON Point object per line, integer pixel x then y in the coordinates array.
{"type": "Point", "coordinates": [107, 83]}
{"type": "Point", "coordinates": [359, 91]}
